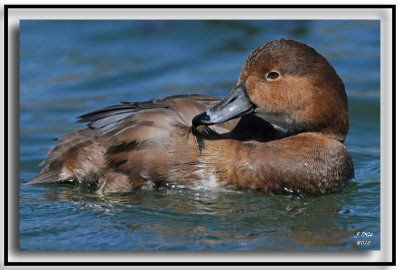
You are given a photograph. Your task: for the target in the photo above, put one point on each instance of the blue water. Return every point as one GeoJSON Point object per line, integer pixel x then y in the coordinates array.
{"type": "Point", "coordinates": [68, 68]}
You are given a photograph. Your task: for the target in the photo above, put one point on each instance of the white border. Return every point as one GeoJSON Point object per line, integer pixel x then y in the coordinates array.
{"type": "Point", "coordinates": [386, 137]}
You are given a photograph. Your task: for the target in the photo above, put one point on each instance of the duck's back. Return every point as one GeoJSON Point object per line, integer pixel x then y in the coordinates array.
{"type": "Point", "coordinates": [124, 145]}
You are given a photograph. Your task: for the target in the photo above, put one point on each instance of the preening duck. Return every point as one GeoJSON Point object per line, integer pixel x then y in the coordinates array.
{"type": "Point", "coordinates": [281, 129]}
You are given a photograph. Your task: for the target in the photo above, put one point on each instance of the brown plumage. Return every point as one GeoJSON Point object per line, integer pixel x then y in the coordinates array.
{"type": "Point", "coordinates": [281, 129]}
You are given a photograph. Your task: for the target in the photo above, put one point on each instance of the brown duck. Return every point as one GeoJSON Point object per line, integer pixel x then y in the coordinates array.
{"type": "Point", "coordinates": [281, 129]}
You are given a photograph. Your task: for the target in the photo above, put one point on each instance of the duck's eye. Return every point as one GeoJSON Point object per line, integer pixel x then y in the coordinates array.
{"type": "Point", "coordinates": [273, 75]}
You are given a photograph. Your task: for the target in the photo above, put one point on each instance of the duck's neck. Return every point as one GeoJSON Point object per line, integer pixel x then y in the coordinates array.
{"type": "Point", "coordinates": [337, 128]}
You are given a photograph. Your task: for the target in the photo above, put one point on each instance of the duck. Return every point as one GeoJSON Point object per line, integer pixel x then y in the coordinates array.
{"type": "Point", "coordinates": [281, 129]}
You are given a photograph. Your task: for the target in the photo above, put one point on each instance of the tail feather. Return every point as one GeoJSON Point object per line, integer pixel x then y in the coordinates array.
{"type": "Point", "coordinates": [44, 178]}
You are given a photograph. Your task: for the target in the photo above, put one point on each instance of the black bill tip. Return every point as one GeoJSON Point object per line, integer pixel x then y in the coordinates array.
{"type": "Point", "coordinates": [201, 119]}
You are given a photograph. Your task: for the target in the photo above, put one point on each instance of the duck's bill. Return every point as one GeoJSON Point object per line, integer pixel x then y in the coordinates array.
{"type": "Point", "coordinates": [236, 104]}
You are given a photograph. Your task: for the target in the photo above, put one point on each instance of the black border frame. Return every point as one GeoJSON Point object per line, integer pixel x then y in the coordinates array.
{"type": "Point", "coordinates": [6, 101]}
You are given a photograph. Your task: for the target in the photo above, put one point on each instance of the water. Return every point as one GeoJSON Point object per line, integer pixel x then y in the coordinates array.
{"type": "Point", "coordinates": [68, 68]}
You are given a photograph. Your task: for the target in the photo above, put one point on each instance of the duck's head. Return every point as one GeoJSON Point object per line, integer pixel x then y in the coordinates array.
{"type": "Point", "coordinates": [289, 84]}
